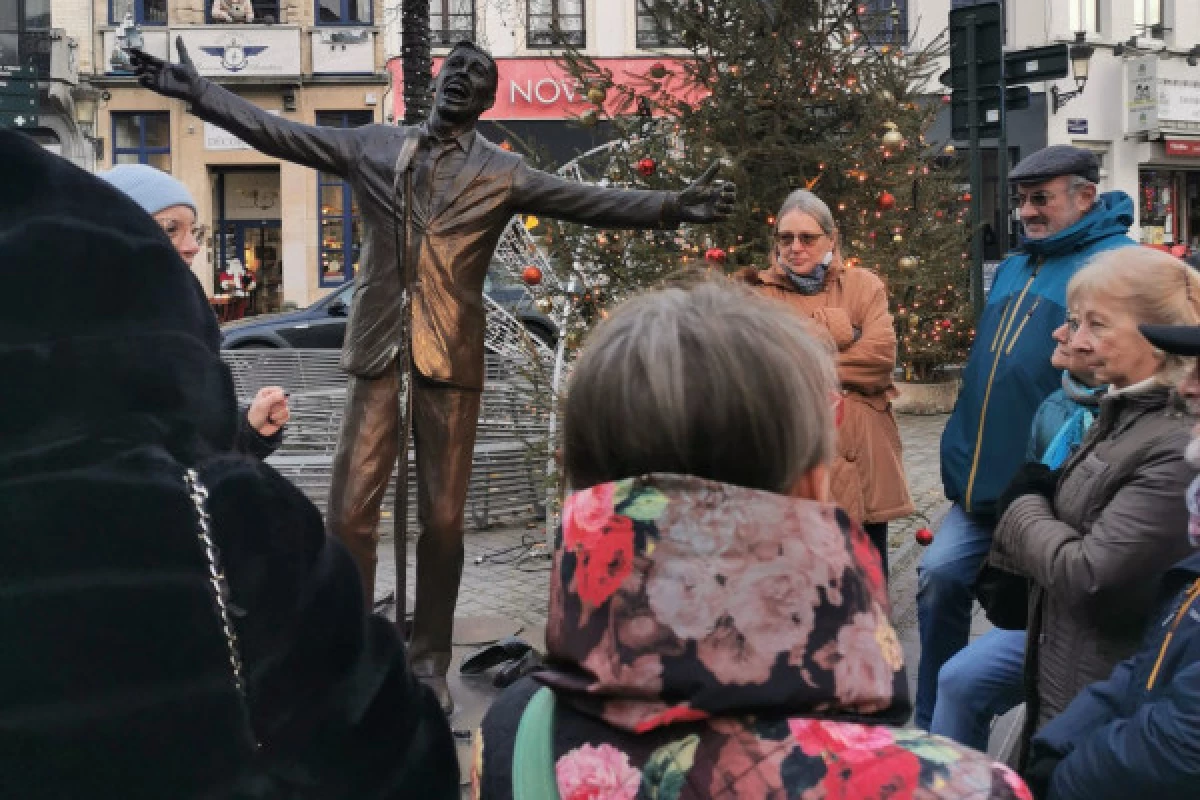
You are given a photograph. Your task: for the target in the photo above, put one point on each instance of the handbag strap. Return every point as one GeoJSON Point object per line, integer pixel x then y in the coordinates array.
{"type": "Point", "coordinates": [216, 576]}
{"type": "Point", "coordinates": [533, 774]}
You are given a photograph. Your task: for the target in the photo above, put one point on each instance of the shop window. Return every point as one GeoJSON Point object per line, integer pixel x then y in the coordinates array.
{"type": "Point", "coordinates": [451, 22]}
{"type": "Point", "coordinates": [343, 12]}
{"type": "Point", "coordinates": [145, 12]}
{"type": "Point", "coordinates": [142, 138]}
{"type": "Point", "coordinates": [266, 12]}
{"type": "Point", "coordinates": [885, 21]}
{"type": "Point", "coordinates": [655, 29]}
{"type": "Point", "coordinates": [1149, 18]}
{"type": "Point", "coordinates": [340, 227]}
{"type": "Point", "coordinates": [555, 23]}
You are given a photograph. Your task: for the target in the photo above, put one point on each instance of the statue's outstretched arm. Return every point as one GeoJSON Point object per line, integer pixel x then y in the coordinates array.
{"type": "Point", "coordinates": [333, 150]}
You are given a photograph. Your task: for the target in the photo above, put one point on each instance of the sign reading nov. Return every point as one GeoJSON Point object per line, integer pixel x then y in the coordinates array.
{"type": "Point", "coordinates": [540, 89]}
{"type": "Point", "coordinates": [232, 51]}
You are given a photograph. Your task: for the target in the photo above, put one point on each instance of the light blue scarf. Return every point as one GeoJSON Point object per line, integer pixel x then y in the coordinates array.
{"type": "Point", "coordinates": [1071, 434]}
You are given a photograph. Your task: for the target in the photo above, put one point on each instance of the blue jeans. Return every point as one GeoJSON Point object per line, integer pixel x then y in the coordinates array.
{"type": "Point", "coordinates": [983, 681]}
{"type": "Point", "coordinates": [945, 584]}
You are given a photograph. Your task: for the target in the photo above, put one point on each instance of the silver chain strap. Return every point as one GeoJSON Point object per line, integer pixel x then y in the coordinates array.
{"type": "Point", "coordinates": [216, 576]}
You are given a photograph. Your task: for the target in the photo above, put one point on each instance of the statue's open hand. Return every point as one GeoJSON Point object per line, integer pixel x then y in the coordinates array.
{"type": "Point", "coordinates": [173, 80]}
{"type": "Point", "coordinates": [706, 200]}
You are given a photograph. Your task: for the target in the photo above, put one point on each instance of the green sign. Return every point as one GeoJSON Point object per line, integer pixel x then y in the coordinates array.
{"type": "Point", "coordinates": [1037, 64]}
{"type": "Point", "coordinates": [1016, 98]}
{"type": "Point", "coordinates": [989, 117]}
{"type": "Point", "coordinates": [987, 20]}
{"type": "Point", "coordinates": [18, 120]}
{"type": "Point", "coordinates": [13, 86]}
{"type": "Point", "coordinates": [18, 103]}
{"type": "Point", "coordinates": [18, 73]}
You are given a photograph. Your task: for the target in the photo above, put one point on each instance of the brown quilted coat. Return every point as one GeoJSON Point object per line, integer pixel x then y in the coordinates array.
{"type": "Point", "coordinates": [1098, 554]}
{"type": "Point", "coordinates": [868, 474]}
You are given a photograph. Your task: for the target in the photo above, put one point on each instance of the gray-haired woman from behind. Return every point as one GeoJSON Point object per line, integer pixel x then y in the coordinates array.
{"type": "Point", "coordinates": [715, 622]}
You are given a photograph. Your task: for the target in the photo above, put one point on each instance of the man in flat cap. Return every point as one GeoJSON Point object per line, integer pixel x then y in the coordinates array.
{"type": "Point", "coordinates": [1008, 374]}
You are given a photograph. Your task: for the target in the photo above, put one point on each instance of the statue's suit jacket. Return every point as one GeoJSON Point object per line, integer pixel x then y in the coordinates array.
{"type": "Point", "coordinates": [455, 239]}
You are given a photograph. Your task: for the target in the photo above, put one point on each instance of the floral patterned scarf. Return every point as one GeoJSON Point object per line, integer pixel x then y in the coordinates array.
{"type": "Point", "coordinates": [675, 599]}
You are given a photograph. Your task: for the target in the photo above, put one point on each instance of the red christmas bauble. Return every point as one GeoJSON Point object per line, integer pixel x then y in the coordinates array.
{"type": "Point", "coordinates": [715, 255]}
{"type": "Point", "coordinates": [967, 197]}
{"type": "Point", "coordinates": [531, 275]}
{"type": "Point", "coordinates": [924, 537]}
{"type": "Point", "coordinates": [647, 167]}
{"type": "Point", "coordinates": [506, 146]}
{"type": "Point", "coordinates": [887, 201]}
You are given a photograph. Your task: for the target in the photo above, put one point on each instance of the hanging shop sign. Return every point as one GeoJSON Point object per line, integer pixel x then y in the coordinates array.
{"type": "Point", "coordinates": [1141, 94]}
{"type": "Point", "coordinates": [1179, 103]}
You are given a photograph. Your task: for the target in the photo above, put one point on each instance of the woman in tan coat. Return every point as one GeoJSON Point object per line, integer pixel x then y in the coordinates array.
{"type": "Point", "coordinates": [850, 309]}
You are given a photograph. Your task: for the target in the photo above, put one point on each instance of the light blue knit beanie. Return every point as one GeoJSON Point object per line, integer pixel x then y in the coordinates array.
{"type": "Point", "coordinates": [150, 188]}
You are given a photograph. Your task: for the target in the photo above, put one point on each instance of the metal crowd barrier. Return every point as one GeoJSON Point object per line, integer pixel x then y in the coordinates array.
{"type": "Point", "coordinates": [508, 480]}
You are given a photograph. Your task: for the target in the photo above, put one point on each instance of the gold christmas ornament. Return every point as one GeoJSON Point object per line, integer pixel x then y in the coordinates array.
{"type": "Point", "coordinates": [914, 322]}
{"type": "Point", "coordinates": [596, 95]}
{"type": "Point", "coordinates": [589, 118]}
{"type": "Point", "coordinates": [544, 304]}
{"type": "Point", "coordinates": [893, 137]}
{"type": "Point", "coordinates": [948, 150]}
{"type": "Point", "coordinates": [907, 262]}
{"type": "Point", "coordinates": [898, 238]}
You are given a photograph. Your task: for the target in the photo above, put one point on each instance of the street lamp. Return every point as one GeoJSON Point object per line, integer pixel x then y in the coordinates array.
{"type": "Point", "coordinates": [1081, 57]}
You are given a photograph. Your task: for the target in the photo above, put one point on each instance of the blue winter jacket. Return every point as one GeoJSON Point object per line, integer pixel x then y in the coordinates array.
{"type": "Point", "coordinates": [1008, 373]}
{"type": "Point", "coordinates": [1137, 734]}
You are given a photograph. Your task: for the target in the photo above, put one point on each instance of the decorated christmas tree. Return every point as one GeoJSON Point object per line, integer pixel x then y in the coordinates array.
{"type": "Point", "coordinates": [823, 94]}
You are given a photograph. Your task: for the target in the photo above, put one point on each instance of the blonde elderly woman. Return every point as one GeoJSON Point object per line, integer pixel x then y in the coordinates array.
{"type": "Point", "coordinates": [715, 623]}
{"type": "Point", "coordinates": [850, 310]}
{"type": "Point", "coordinates": [1097, 536]}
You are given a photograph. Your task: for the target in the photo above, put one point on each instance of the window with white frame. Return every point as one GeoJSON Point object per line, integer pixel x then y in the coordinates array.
{"type": "Point", "coordinates": [654, 28]}
{"type": "Point", "coordinates": [451, 22]}
{"type": "Point", "coordinates": [1149, 18]}
{"type": "Point", "coordinates": [1085, 16]}
{"type": "Point", "coordinates": [555, 23]}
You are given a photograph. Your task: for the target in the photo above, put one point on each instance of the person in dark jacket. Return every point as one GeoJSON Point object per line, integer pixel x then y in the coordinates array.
{"type": "Point", "coordinates": [260, 427]}
{"type": "Point", "coordinates": [175, 623]}
{"type": "Point", "coordinates": [1008, 374]}
{"type": "Point", "coordinates": [1096, 538]}
{"type": "Point", "coordinates": [985, 678]}
{"type": "Point", "coordinates": [718, 628]}
{"type": "Point", "coordinates": [1134, 734]}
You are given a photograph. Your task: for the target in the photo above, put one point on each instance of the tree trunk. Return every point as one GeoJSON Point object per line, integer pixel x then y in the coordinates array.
{"type": "Point", "coordinates": [417, 60]}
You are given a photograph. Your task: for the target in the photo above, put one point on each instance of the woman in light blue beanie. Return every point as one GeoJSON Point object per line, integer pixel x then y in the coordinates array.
{"type": "Point", "coordinates": [165, 199]}
{"type": "Point", "coordinates": [170, 203]}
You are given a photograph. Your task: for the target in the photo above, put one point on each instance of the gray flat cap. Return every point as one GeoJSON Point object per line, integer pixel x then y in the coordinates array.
{"type": "Point", "coordinates": [1059, 159]}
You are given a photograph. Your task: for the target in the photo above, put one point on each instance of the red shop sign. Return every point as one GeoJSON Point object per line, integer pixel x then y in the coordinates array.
{"type": "Point", "coordinates": [1183, 147]}
{"type": "Point", "coordinates": [539, 88]}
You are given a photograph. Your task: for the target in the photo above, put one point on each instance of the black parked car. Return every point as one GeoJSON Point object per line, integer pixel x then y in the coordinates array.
{"type": "Point", "coordinates": [323, 324]}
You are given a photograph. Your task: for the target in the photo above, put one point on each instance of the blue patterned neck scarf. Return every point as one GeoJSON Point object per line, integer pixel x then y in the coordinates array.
{"type": "Point", "coordinates": [809, 284]}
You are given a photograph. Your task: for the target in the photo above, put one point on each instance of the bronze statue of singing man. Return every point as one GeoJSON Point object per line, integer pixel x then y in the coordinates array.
{"type": "Point", "coordinates": [435, 200]}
